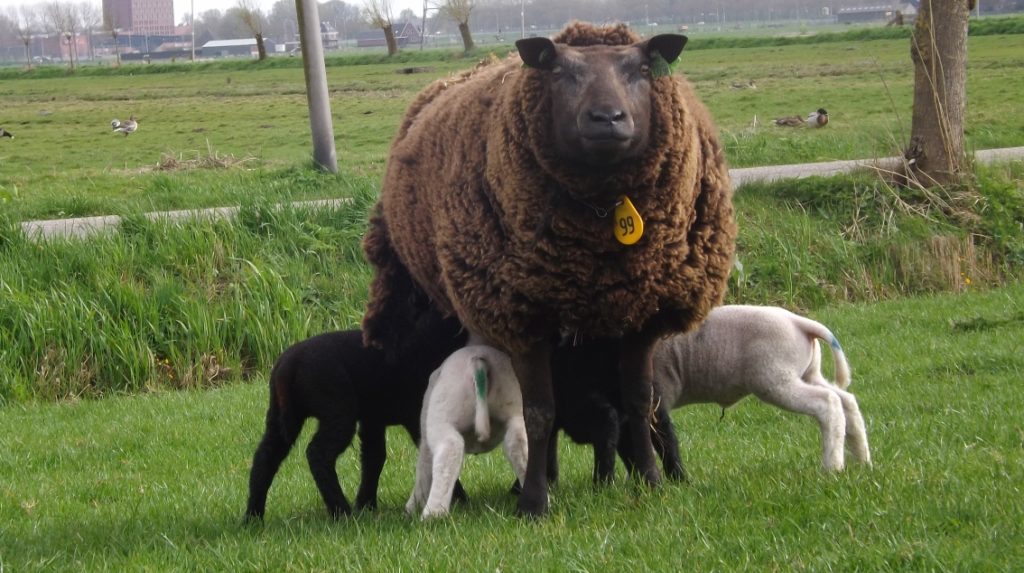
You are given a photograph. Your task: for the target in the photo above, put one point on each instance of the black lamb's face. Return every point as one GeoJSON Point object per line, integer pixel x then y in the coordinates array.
{"type": "Point", "coordinates": [600, 95]}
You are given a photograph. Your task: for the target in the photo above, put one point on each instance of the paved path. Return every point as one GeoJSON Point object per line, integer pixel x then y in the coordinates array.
{"type": "Point", "coordinates": [85, 226]}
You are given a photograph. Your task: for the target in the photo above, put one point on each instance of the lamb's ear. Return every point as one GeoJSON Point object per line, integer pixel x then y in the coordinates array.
{"type": "Point", "coordinates": [537, 52]}
{"type": "Point", "coordinates": [668, 46]}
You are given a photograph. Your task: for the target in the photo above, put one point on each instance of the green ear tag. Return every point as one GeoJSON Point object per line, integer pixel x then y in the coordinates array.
{"type": "Point", "coordinates": [659, 67]}
{"type": "Point", "coordinates": [629, 226]}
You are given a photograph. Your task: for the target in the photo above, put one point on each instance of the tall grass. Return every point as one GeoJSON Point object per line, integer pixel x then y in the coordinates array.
{"type": "Point", "coordinates": [158, 304]}
{"type": "Point", "coordinates": [196, 304]}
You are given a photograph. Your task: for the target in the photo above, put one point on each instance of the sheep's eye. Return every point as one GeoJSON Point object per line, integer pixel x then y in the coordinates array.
{"type": "Point", "coordinates": [557, 70]}
{"type": "Point", "coordinates": [645, 69]}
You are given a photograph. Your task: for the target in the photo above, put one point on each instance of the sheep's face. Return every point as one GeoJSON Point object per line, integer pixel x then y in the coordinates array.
{"type": "Point", "coordinates": [600, 95]}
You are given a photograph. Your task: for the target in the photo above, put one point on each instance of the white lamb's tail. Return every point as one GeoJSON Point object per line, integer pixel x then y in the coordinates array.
{"type": "Point", "coordinates": [818, 330]}
{"type": "Point", "coordinates": [482, 420]}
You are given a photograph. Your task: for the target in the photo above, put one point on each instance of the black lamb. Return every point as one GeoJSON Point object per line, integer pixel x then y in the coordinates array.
{"type": "Point", "coordinates": [334, 378]}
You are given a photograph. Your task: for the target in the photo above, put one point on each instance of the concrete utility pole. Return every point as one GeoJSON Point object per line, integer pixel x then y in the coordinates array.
{"type": "Point", "coordinates": [316, 85]}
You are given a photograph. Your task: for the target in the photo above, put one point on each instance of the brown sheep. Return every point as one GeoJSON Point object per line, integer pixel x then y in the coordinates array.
{"type": "Point", "coordinates": [495, 207]}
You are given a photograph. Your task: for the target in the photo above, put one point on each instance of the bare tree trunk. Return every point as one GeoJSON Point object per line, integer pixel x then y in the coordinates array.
{"type": "Point", "coordinates": [28, 55]}
{"type": "Point", "coordinates": [389, 37]}
{"type": "Point", "coordinates": [261, 48]}
{"type": "Point", "coordinates": [467, 38]}
{"type": "Point", "coordinates": [938, 49]}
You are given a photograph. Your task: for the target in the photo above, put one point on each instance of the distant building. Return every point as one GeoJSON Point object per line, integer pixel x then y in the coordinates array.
{"type": "Point", "coordinates": [405, 33]}
{"type": "Point", "coordinates": [329, 36]}
{"type": "Point", "coordinates": [875, 13]}
{"type": "Point", "coordinates": [153, 17]}
{"type": "Point", "coordinates": [237, 47]}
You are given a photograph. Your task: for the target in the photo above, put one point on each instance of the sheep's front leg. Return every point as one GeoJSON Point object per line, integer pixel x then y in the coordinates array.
{"type": "Point", "coordinates": [666, 444]}
{"type": "Point", "coordinates": [533, 369]}
{"type": "Point", "coordinates": [636, 371]}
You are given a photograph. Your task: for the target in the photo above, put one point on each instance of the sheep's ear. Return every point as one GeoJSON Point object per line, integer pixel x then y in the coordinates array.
{"type": "Point", "coordinates": [668, 46]}
{"type": "Point", "coordinates": [537, 52]}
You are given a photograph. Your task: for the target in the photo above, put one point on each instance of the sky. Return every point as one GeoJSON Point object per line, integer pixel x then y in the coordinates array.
{"type": "Point", "coordinates": [182, 7]}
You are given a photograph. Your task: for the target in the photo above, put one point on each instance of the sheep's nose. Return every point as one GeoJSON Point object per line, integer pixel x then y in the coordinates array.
{"type": "Point", "coordinates": [606, 116]}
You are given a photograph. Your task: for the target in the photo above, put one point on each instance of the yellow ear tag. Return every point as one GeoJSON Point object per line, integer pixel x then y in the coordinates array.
{"type": "Point", "coordinates": [629, 226]}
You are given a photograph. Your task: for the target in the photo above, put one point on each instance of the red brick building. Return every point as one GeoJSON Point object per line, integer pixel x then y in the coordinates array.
{"type": "Point", "coordinates": [152, 17]}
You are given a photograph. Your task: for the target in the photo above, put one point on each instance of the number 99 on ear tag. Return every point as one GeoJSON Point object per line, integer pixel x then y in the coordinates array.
{"type": "Point", "coordinates": [629, 226]}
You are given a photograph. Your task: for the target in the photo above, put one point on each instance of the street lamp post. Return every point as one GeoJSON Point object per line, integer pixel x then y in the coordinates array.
{"type": "Point", "coordinates": [522, 17]}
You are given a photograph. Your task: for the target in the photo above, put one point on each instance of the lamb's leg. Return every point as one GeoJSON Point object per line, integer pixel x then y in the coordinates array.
{"type": "Point", "coordinates": [856, 433]}
{"type": "Point", "coordinates": [373, 453]}
{"type": "Point", "coordinates": [459, 495]}
{"type": "Point", "coordinates": [625, 448]}
{"type": "Point", "coordinates": [821, 403]}
{"type": "Point", "coordinates": [666, 444]}
{"type": "Point", "coordinates": [273, 449]}
{"type": "Point", "coordinates": [533, 370]}
{"type": "Point", "coordinates": [636, 376]}
{"type": "Point", "coordinates": [515, 446]}
{"type": "Point", "coordinates": [420, 490]}
{"type": "Point", "coordinates": [517, 485]}
{"type": "Point", "coordinates": [449, 448]}
{"type": "Point", "coordinates": [331, 439]}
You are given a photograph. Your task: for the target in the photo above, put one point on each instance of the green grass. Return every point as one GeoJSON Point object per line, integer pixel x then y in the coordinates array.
{"type": "Point", "coordinates": [66, 162]}
{"type": "Point", "coordinates": [164, 321]}
{"type": "Point", "coordinates": [169, 305]}
{"type": "Point", "coordinates": [156, 305]}
{"type": "Point", "coordinates": [158, 482]}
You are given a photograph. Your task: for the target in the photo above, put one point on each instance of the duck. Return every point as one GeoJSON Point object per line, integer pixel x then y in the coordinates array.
{"type": "Point", "coordinates": [817, 118]}
{"type": "Point", "coordinates": [790, 121]}
{"type": "Point", "coordinates": [5, 133]}
{"type": "Point", "coordinates": [125, 127]}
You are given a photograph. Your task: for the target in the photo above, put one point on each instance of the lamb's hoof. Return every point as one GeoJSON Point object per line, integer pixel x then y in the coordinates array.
{"type": "Point", "coordinates": [252, 519]}
{"type": "Point", "coordinates": [366, 505]}
{"type": "Point", "coordinates": [433, 513]}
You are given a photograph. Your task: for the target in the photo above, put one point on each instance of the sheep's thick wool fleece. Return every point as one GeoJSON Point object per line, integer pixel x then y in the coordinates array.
{"type": "Point", "coordinates": [492, 225]}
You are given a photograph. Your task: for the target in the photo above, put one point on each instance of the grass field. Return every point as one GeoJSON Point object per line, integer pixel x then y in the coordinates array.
{"type": "Point", "coordinates": [133, 365]}
{"type": "Point", "coordinates": [158, 482]}
{"type": "Point", "coordinates": [66, 162]}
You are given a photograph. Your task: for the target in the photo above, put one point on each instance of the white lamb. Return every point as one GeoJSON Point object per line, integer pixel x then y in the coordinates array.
{"type": "Point", "coordinates": [472, 404]}
{"type": "Point", "coordinates": [773, 354]}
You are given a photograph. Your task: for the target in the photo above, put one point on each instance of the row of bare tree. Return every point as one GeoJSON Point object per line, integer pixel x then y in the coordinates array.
{"type": "Point", "coordinates": [66, 20]}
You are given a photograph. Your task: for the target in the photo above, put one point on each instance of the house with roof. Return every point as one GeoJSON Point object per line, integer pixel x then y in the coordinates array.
{"type": "Point", "coordinates": [405, 33]}
{"type": "Point", "coordinates": [236, 47]}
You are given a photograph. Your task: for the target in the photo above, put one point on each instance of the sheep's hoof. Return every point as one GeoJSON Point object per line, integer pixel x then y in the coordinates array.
{"type": "Point", "coordinates": [531, 507]}
{"type": "Point", "coordinates": [677, 474]}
